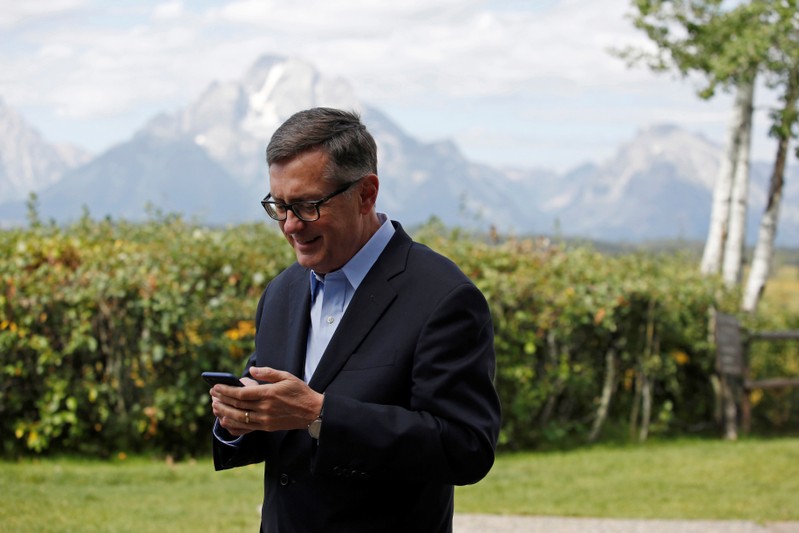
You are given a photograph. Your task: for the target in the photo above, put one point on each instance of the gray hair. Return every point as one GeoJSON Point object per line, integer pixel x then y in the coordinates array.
{"type": "Point", "coordinates": [351, 148]}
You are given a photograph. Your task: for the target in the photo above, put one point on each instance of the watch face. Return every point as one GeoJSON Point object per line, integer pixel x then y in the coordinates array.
{"type": "Point", "coordinates": [315, 428]}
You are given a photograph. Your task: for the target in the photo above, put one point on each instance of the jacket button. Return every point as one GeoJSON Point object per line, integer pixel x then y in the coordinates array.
{"type": "Point", "coordinates": [284, 479]}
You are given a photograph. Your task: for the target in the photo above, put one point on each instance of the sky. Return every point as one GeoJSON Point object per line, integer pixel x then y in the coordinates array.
{"type": "Point", "coordinates": [514, 83]}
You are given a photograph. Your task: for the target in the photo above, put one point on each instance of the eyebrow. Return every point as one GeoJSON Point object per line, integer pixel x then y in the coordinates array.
{"type": "Point", "coordinates": [297, 200]}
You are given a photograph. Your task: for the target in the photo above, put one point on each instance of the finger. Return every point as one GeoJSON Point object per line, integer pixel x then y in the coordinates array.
{"type": "Point", "coordinates": [220, 390]}
{"type": "Point", "coordinates": [270, 375]}
{"type": "Point", "coordinates": [231, 418]}
{"type": "Point", "coordinates": [234, 428]}
{"type": "Point", "coordinates": [238, 397]}
{"type": "Point", "coordinates": [223, 410]}
{"type": "Point", "coordinates": [236, 404]}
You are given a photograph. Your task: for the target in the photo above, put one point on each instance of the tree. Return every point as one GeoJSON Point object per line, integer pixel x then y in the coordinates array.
{"type": "Point", "coordinates": [720, 44]}
{"type": "Point", "coordinates": [732, 260]}
{"type": "Point", "coordinates": [782, 20]}
{"type": "Point", "coordinates": [713, 254]}
{"type": "Point", "coordinates": [730, 44]}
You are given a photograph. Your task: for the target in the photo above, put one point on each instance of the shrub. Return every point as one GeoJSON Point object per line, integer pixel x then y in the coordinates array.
{"type": "Point", "coordinates": [105, 327]}
{"type": "Point", "coordinates": [573, 324]}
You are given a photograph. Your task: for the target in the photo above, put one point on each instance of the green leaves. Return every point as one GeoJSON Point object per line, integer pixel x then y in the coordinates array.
{"type": "Point", "coordinates": [106, 326]}
{"type": "Point", "coordinates": [558, 311]}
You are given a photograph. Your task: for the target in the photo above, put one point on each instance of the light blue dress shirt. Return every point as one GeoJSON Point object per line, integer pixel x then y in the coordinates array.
{"type": "Point", "coordinates": [331, 294]}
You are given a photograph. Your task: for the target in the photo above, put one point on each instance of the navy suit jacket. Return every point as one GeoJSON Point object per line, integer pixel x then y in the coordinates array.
{"type": "Point", "coordinates": [410, 408]}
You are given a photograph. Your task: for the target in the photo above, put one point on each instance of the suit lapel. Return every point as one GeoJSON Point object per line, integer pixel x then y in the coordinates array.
{"type": "Point", "coordinates": [299, 312]}
{"type": "Point", "coordinates": [373, 297]}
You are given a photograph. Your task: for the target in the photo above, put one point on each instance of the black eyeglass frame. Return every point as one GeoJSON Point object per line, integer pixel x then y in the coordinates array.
{"type": "Point", "coordinates": [266, 203]}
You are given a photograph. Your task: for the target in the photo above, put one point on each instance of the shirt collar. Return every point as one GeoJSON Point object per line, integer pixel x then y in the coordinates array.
{"type": "Point", "coordinates": [358, 266]}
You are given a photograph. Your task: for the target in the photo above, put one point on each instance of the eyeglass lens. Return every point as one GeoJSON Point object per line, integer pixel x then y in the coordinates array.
{"type": "Point", "coordinates": [304, 210]}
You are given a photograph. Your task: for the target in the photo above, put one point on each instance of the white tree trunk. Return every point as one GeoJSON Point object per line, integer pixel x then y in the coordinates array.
{"type": "Point", "coordinates": [607, 394]}
{"type": "Point", "coordinates": [764, 251]}
{"type": "Point", "coordinates": [734, 246]}
{"type": "Point", "coordinates": [722, 191]}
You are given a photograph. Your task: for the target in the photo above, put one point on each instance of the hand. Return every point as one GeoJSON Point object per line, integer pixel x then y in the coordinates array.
{"type": "Point", "coordinates": [284, 402]}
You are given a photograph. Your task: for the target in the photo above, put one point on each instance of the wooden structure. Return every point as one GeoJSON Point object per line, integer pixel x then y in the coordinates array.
{"type": "Point", "coordinates": [732, 350]}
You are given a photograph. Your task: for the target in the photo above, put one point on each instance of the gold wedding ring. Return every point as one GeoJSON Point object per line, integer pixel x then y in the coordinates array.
{"type": "Point", "coordinates": [246, 417]}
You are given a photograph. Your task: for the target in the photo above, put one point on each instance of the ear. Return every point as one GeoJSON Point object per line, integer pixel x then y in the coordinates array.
{"type": "Point", "coordinates": [368, 192]}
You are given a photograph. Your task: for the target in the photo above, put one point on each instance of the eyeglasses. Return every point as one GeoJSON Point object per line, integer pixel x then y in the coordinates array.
{"type": "Point", "coordinates": [307, 211]}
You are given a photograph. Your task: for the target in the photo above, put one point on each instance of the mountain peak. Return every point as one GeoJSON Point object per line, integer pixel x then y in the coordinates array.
{"type": "Point", "coordinates": [28, 162]}
{"type": "Point", "coordinates": [233, 121]}
{"type": "Point", "coordinates": [694, 157]}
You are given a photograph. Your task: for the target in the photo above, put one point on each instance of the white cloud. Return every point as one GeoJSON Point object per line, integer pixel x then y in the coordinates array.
{"type": "Point", "coordinates": [543, 65]}
{"type": "Point", "coordinates": [392, 51]}
{"type": "Point", "coordinates": [13, 13]}
{"type": "Point", "coordinates": [168, 11]}
{"type": "Point", "coordinates": [56, 51]}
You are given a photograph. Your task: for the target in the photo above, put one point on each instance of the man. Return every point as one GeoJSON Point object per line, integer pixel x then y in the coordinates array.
{"type": "Point", "coordinates": [369, 394]}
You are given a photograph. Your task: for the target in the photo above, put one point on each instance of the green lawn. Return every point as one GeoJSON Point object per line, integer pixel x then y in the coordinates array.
{"type": "Point", "coordinates": [702, 479]}
{"type": "Point", "coordinates": [749, 479]}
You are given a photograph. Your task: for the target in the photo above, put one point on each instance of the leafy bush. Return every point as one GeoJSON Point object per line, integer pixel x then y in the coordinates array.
{"type": "Point", "coordinates": [573, 325]}
{"type": "Point", "coordinates": [106, 326]}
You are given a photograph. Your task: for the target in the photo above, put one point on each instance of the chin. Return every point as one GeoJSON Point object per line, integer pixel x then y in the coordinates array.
{"type": "Point", "coordinates": [309, 262]}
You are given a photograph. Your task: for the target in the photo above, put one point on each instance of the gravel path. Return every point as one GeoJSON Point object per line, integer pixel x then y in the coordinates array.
{"type": "Point", "coordinates": [470, 523]}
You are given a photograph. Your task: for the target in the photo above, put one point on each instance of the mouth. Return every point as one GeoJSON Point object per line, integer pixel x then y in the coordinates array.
{"type": "Point", "coordinates": [305, 243]}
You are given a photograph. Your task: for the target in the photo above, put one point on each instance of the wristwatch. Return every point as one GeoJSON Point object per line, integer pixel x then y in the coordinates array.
{"type": "Point", "coordinates": [315, 428]}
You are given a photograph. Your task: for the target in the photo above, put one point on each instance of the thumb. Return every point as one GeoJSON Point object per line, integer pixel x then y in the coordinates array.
{"type": "Point", "coordinates": [270, 375]}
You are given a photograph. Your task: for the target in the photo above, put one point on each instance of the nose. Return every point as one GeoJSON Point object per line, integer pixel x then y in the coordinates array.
{"type": "Point", "coordinates": [292, 224]}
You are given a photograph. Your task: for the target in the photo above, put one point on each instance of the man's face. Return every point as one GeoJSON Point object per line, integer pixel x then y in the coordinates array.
{"type": "Point", "coordinates": [328, 243]}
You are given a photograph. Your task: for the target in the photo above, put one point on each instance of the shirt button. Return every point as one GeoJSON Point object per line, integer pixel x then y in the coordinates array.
{"type": "Point", "coordinates": [330, 320]}
{"type": "Point", "coordinates": [284, 479]}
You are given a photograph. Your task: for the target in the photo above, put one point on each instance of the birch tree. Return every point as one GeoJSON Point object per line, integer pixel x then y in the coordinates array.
{"type": "Point", "coordinates": [782, 19]}
{"type": "Point", "coordinates": [764, 249]}
{"type": "Point", "coordinates": [739, 195]}
{"type": "Point", "coordinates": [713, 254]}
{"type": "Point", "coordinates": [713, 41]}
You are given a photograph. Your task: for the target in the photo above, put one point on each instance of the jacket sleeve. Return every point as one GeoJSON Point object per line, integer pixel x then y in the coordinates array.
{"type": "Point", "coordinates": [250, 448]}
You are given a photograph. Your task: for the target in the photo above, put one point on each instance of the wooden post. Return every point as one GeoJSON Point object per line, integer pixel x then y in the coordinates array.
{"type": "Point", "coordinates": [730, 366]}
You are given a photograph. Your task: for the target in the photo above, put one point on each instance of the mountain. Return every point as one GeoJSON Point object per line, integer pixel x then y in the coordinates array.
{"type": "Point", "coordinates": [234, 121]}
{"type": "Point", "coordinates": [27, 161]}
{"type": "Point", "coordinates": [421, 180]}
{"type": "Point", "coordinates": [173, 176]}
{"type": "Point", "coordinates": [230, 124]}
{"type": "Point", "coordinates": [659, 185]}
{"type": "Point", "coordinates": [206, 161]}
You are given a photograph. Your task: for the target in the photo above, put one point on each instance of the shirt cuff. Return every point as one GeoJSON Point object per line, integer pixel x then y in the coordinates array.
{"type": "Point", "coordinates": [223, 436]}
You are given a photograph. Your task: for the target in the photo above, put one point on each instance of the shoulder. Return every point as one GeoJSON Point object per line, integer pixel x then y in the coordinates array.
{"type": "Point", "coordinates": [418, 265]}
{"type": "Point", "coordinates": [293, 277]}
{"type": "Point", "coordinates": [423, 257]}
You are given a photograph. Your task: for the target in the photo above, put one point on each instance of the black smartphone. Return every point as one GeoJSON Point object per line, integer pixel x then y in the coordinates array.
{"type": "Point", "coordinates": [225, 378]}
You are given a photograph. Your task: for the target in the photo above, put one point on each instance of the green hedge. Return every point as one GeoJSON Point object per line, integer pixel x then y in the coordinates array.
{"type": "Point", "coordinates": [106, 326]}
{"type": "Point", "coordinates": [564, 318]}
